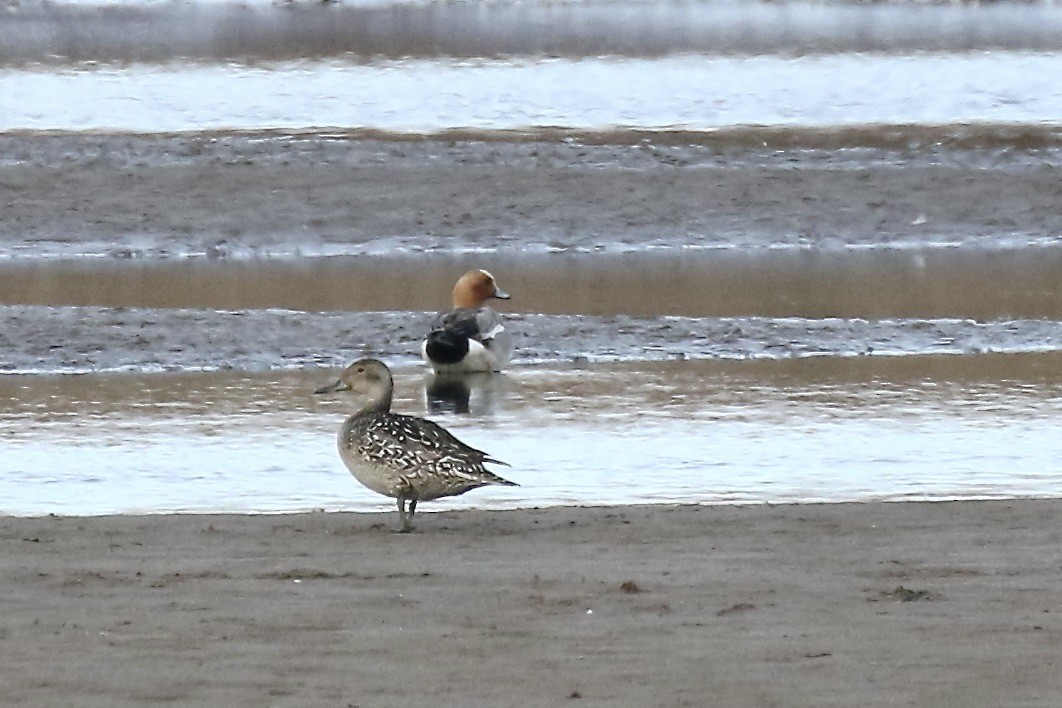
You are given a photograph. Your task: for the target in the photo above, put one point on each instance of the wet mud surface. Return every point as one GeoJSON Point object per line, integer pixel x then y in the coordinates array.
{"type": "Point", "coordinates": [122, 196]}
{"type": "Point", "coordinates": [87, 339]}
{"type": "Point", "coordinates": [154, 253]}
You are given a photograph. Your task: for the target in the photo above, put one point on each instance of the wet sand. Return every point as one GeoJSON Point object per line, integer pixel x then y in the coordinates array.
{"type": "Point", "coordinates": [819, 605]}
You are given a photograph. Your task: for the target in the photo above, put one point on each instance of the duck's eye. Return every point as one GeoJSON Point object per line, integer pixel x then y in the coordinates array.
{"type": "Point", "coordinates": [361, 369]}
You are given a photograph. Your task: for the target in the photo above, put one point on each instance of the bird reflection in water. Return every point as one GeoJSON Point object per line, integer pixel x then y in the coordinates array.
{"type": "Point", "coordinates": [462, 394]}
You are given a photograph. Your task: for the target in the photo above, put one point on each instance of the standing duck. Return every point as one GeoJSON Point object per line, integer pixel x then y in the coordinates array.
{"type": "Point", "coordinates": [471, 337]}
{"type": "Point", "coordinates": [400, 456]}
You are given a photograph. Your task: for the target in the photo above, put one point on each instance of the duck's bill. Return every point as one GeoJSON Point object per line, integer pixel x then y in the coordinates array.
{"type": "Point", "coordinates": [333, 387]}
{"type": "Point", "coordinates": [501, 294]}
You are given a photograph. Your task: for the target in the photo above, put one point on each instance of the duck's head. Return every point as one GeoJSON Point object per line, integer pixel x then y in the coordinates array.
{"type": "Point", "coordinates": [476, 287]}
{"type": "Point", "coordinates": [370, 377]}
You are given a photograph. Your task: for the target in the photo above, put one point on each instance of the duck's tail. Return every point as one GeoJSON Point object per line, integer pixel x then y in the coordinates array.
{"type": "Point", "coordinates": [445, 347]}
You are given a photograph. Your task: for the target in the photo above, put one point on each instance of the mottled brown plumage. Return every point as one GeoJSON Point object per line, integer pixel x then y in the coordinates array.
{"type": "Point", "coordinates": [401, 456]}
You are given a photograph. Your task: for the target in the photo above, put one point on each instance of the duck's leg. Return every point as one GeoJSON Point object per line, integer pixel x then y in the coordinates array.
{"type": "Point", "coordinates": [406, 517]}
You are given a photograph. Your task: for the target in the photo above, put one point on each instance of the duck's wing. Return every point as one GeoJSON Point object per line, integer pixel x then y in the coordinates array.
{"type": "Point", "coordinates": [475, 336]}
{"type": "Point", "coordinates": [481, 324]}
{"type": "Point", "coordinates": [489, 324]}
{"type": "Point", "coordinates": [430, 461]}
{"type": "Point", "coordinates": [403, 442]}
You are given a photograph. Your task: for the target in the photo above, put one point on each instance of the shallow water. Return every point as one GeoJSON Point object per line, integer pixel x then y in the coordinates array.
{"type": "Point", "coordinates": [929, 282]}
{"type": "Point", "coordinates": [710, 432]}
{"type": "Point", "coordinates": [426, 96]}
{"type": "Point", "coordinates": [424, 67]}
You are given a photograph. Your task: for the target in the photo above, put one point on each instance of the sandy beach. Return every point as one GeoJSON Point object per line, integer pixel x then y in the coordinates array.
{"type": "Point", "coordinates": [944, 604]}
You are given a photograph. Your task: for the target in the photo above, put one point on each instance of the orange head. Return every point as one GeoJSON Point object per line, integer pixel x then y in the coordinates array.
{"type": "Point", "coordinates": [476, 287]}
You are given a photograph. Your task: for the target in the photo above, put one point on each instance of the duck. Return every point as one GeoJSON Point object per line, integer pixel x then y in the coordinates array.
{"type": "Point", "coordinates": [404, 457]}
{"type": "Point", "coordinates": [471, 337]}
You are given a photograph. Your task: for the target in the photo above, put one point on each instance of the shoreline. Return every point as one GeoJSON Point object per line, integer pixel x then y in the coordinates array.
{"type": "Point", "coordinates": [380, 519]}
{"type": "Point", "coordinates": [870, 604]}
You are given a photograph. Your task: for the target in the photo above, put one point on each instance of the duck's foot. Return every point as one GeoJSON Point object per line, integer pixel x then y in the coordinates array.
{"type": "Point", "coordinates": [406, 517]}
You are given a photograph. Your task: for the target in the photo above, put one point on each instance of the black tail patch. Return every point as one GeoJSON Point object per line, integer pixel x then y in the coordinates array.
{"type": "Point", "coordinates": [445, 348]}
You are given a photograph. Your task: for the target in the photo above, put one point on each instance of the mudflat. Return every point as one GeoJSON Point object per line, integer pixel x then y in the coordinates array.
{"type": "Point", "coordinates": [874, 604]}
{"type": "Point", "coordinates": [134, 197]}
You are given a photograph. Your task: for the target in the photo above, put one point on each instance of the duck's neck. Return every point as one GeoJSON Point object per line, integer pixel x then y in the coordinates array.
{"type": "Point", "coordinates": [466, 302]}
{"type": "Point", "coordinates": [379, 402]}
{"type": "Point", "coordinates": [466, 297]}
